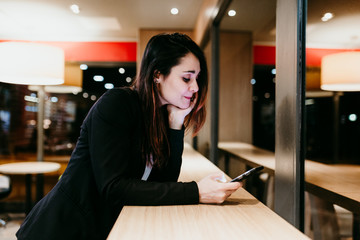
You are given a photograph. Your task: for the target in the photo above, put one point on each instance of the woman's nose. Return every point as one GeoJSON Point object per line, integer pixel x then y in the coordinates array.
{"type": "Point", "coordinates": [194, 86]}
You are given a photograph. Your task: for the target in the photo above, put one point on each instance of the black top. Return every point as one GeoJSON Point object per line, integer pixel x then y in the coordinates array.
{"type": "Point", "coordinates": [104, 174]}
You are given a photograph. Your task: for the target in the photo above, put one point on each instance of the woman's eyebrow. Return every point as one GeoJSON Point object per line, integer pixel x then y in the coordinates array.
{"type": "Point", "coordinates": [189, 71]}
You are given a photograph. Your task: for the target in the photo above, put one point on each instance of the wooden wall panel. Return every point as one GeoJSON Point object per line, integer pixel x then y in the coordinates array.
{"type": "Point", "coordinates": [235, 107]}
{"type": "Point", "coordinates": [204, 134]}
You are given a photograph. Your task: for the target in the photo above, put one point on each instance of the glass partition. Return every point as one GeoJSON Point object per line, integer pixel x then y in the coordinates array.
{"type": "Point", "coordinates": [333, 124]}
{"type": "Point", "coordinates": [247, 73]}
{"type": "Point", "coordinates": [247, 85]}
{"type": "Point", "coordinates": [332, 112]}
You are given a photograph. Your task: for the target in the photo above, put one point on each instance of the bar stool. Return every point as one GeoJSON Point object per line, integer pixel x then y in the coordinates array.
{"type": "Point", "coordinates": [5, 189]}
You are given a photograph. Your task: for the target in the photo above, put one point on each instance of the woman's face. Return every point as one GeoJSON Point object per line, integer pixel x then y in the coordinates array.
{"type": "Point", "coordinates": [180, 86]}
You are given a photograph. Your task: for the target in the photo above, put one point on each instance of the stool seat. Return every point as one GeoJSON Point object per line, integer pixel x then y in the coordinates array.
{"type": "Point", "coordinates": [5, 189]}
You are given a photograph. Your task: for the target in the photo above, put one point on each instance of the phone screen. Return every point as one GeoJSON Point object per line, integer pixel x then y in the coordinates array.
{"type": "Point", "coordinates": [247, 174]}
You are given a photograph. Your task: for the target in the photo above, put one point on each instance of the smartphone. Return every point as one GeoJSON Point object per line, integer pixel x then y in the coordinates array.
{"type": "Point", "coordinates": [247, 174]}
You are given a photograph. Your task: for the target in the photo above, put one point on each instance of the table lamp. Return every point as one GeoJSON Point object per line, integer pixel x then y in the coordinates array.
{"type": "Point", "coordinates": [341, 72]}
{"type": "Point", "coordinates": [32, 64]}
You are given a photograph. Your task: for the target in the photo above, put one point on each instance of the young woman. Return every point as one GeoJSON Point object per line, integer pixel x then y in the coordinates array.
{"type": "Point", "coordinates": [130, 147]}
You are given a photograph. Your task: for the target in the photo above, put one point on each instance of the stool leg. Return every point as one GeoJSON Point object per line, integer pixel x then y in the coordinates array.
{"type": "Point", "coordinates": [269, 192]}
{"type": "Point", "coordinates": [227, 160]}
{"type": "Point", "coordinates": [28, 202]}
{"type": "Point", "coordinates": [356, 226]}
{"type": "Point", "coordinates": [324, 219]}
{"type": "Point", "coordinates": [39, 187]}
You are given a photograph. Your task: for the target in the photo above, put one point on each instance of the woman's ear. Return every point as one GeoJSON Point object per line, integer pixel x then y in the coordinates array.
{"type": "Point", "coordinates": [156, 74]}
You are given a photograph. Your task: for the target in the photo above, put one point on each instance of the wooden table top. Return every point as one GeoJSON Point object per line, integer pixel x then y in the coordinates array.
{"type": "Point", "coordinates": [22, 168]}
{"type": "Point", "coordinates": [241, 217]}
{"type": "Point", "coordinates": [338, 183]}
{"type": "Point", "coordinates": [250, 154]}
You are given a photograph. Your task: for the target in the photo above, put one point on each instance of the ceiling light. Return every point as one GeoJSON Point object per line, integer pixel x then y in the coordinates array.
{"type": "Point", "coordinates": [98, 78]}
{"type": "Point", "coordinates": [83, 67]}
{"type": "Point", "coordinates": [174, 11]}
{"type": "Point", "coordinates": [327, 17]}
{"type": "Point", "coordinates": [75, 9]}
{"type": "Point", "coordinates": [232, 13]}
{"type": "Point", "coordinates": [121, 70]}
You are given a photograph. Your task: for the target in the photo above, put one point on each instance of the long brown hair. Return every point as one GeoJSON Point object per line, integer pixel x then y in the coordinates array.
{"type": "Point", "coordinates": [163, 52]}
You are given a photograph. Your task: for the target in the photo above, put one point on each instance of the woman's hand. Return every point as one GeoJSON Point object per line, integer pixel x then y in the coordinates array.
{"type": "Point", "coordinates": [213, 191]}
{"type": "Point", "coordinates": [177, 115]}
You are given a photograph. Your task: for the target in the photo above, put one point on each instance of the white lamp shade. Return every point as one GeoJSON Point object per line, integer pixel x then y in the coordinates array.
{"type": "Point", "coordinates": [31, 63]}
{"type": "Point", "coordinates": [72, 81]}
{"type": "Point", "coordinates": [341, 72]}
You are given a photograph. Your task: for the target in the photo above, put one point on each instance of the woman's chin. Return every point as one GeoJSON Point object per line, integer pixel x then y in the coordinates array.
{"type": "Point", "coordinates": [185, 106]}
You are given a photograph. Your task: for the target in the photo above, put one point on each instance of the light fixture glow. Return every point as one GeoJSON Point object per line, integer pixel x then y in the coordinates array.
{"type": "Point", "coordinates": [83, 67]}
{"type": "Point", "coordinates": [327, 17]}
{"type": "Point", "coordinates": [31, 63]}
{"type": "Point", "coordinates": [341, 72]}
{"type": "Point", "coordinates": [309, 102]}
{"type": "Point", "coordinates": [75, 8]}
{"type": "Point", "coordinates": [31, 99]}
{"type": "Point", "coordinates": [174, 11]}
{"type": "Point", "coordinates": [121, 70]}
{"type": "Point", "coordinates": [72, 81]}
{"type": "Point", "coordinates": [128, 79]}
{"type": "Point", "coordinates": [98, 78]}
{"type": "Point", "coordinates": [31, 108]}
{"type": "Point", "coordinates": [32, 122]}
{"type": "Point", "coordinates": [352, 117]}
{"type": "Point", "coordinates": [232, 13]}
{"type": "Point", "coordinates": [253, 81]}
{"type": "Point", "coordinates": [109, 85]}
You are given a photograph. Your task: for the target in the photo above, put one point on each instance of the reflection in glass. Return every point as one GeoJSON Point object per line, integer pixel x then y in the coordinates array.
{"type": "Point", "coordinates": [331, 136]}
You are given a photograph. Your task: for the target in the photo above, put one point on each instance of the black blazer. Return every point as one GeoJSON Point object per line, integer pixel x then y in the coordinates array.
{"type": "Point", "coordinates": [104, 174]}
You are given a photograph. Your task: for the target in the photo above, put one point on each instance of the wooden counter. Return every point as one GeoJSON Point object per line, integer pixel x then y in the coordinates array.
{"type": "Point", "coordinates": [333, 183]}
{"type": "Point", "coordinates": [337, 183]}
{"type": "Point", "coordinates": [241, 217]}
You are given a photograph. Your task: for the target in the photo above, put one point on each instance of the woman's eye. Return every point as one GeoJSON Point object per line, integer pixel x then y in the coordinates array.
{"type": "Point", "coordinates": [186, 79]}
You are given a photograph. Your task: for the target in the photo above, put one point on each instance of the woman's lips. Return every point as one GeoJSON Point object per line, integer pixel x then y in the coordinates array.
{"type": "Point", "coordinates": [189, 98]}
